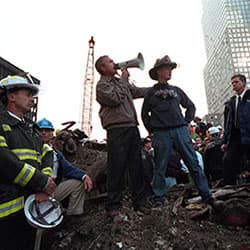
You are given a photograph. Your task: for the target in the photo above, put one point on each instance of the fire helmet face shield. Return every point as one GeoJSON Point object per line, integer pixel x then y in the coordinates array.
{"type": "Point", "coordinates": [46, 214]}
{"type": "Point", "coordinates": [15, 82]}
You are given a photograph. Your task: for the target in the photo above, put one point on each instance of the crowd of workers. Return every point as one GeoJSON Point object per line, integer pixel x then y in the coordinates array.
{"type": "Point", "coordinates": [178, 148]}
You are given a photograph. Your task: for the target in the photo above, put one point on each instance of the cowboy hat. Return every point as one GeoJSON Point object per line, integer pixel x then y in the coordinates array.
{"type": "Point", "coordinates": [161, 62]}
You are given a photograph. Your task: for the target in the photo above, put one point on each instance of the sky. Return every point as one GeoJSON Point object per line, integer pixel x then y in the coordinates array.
{"type": "Point", "coordinates": [49, 39]}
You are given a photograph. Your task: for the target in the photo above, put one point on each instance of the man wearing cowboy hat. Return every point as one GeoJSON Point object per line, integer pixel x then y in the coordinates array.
{"type": "Point", "coordinates": [162, 117]}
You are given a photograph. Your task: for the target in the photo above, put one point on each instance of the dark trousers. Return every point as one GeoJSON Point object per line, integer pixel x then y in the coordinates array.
{"type": "Point", "coordinates": [124, 154]}
{"type": "Point", "coordinates": [16, 234]}
{"type": "Point", "coordinates": [234, 159]}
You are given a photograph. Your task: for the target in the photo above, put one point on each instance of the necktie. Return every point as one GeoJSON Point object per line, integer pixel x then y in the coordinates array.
{"type": "Point", "coordinates": [236, 120]}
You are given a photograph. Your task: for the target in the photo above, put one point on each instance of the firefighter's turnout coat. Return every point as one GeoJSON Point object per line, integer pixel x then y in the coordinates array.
{"type": "Point", "coordinates": [25, 163]}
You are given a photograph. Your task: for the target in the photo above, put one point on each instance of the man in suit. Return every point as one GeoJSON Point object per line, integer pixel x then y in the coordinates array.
{"type": "Point", "coordinates": [236, 140]}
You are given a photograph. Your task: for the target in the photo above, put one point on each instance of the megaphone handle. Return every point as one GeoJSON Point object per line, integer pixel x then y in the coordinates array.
{"type": "Point", "coordinates": [125, 73]}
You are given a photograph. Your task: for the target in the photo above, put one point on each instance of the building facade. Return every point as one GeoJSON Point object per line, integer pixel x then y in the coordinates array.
{"type": "Point", "coordinates": [214, 119]}
{"type": "Point", "coordinates": [226, 28]}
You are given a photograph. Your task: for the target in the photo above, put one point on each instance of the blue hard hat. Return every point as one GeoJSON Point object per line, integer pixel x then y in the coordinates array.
{"type": "Point", "coordinates": [44, 123]}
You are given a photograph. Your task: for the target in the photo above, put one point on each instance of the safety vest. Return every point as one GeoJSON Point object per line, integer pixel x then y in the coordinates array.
{"type": "Point", "coordinates": [26, 163]}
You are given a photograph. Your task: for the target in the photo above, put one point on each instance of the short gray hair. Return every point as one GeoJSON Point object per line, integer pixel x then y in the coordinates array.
{"type": "Point", "coordinates": [99, 62]}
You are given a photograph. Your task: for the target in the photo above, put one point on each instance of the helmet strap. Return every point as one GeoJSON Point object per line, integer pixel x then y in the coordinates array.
{"type": "Point", "coordinates": [40, 216]}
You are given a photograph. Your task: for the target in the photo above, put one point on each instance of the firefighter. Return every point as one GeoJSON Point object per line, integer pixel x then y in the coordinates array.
{"type": "Point", "coordinates": [26, 162]}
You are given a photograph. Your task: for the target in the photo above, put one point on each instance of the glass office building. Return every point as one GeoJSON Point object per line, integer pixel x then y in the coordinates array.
{"type": "Point", "coordinates": [226, 28]}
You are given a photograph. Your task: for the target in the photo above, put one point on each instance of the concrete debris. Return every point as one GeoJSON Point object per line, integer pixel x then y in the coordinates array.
{"type": "Point", "coordinates": [170, 228]}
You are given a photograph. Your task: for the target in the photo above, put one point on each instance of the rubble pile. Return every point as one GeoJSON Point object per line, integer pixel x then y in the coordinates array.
{"type": "Point", "coordinates": [161, 229]}
{"type": "Point", "coordinates": [168, 228]}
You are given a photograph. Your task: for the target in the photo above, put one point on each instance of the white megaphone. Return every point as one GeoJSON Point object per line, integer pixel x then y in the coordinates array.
{"type": "Point", "coordinates": [137, 62]}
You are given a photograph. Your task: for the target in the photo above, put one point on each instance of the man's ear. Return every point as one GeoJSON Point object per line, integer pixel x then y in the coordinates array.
{"type": "Point", "coordinates": [102, 69]}
{"type": "Point", "coordinates": [11, 96]}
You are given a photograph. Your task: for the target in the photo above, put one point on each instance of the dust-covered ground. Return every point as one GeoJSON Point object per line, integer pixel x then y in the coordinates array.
{"type": "Point", "coordinates": [168, 228]}
{"type": "Point", "coordinates": [160, 229]}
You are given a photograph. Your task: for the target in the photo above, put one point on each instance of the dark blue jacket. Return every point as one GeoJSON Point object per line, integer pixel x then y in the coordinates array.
{"type": "Point", "coordinates": [244, 118]}
{"type": "Point", "coordinates": [67, 170]}
{"type": "Point", "coordinates": [161, 108]}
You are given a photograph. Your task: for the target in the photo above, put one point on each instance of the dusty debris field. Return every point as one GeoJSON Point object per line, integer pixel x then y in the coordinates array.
{"type": "Point", "coordinates": [171, 228]}
{"type": "Point", "coordinates": [133, 230]}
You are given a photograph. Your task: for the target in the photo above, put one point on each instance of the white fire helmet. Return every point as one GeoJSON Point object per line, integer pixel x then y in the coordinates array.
{"type": "Point", "coordinates": [213, 130]}
{"type": "Point", "coordinates": [15, 81]}
{"type": "Point", "coordinates": [43, 215]}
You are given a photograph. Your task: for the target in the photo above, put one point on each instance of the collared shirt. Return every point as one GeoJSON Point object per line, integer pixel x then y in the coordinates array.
{"type": "Point", "coordinates": [241, 97]}
{"type": "Point", "coordinates": [55, 164]}
{"type": "Point", "coordinates": [15, 116]}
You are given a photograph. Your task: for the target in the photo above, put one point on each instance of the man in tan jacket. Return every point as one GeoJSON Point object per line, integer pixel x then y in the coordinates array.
{"type": "Point", "coordinates": [118, 117]}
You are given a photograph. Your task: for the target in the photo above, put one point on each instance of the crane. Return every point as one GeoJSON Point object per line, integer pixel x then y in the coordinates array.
{"type": "Point", "coordinates": [88, 91]}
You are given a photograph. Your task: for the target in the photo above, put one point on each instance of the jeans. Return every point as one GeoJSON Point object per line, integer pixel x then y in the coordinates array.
{"type": "Point", "coordinates": [163, 143]}
{"type": "Point", "coordinates": [170, 181]}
